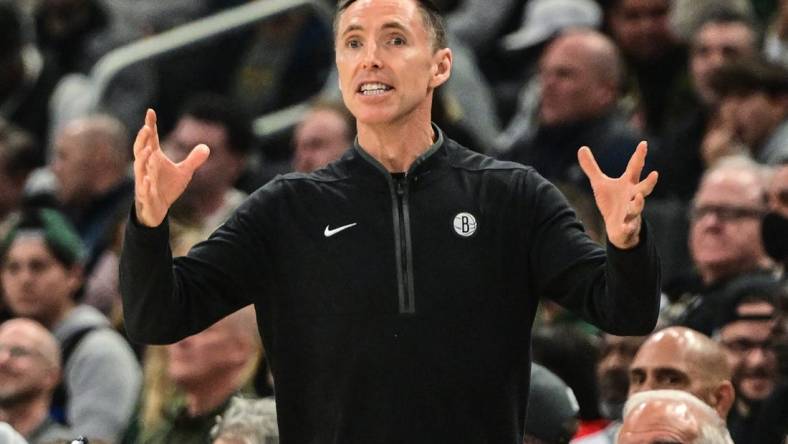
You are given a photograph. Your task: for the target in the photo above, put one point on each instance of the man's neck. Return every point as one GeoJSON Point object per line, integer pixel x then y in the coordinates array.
{"type": "Point", "coordinates": [26, 416]}
{"type": "Point", "coordinates": [396, 145]}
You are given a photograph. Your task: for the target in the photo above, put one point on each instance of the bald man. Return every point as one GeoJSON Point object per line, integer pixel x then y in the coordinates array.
{"type": "Point", "coordinates": [208, 368]}
{"type": "Point", "coordinates": [682, 359]}
{"type": "Point", "coordinates": [671, 416]}
{"type": "Point", "coordinates": [91, 164]}
{"type": "Point", "coordinates": [29, 373]}
{"type": "Point", "coordinates": [580, 75]}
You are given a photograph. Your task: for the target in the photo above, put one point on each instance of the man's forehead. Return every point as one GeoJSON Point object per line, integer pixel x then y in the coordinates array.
{"type": "Point", "coordinates": [391, 13]}
{"type": "Point", "coordinates": [729, 186]}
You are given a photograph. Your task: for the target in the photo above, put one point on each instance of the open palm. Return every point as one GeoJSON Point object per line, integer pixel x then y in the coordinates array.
{"type": "Point", "coordinates": [158, 181]}
{"type": "Point", "coordinates": [620, 200]}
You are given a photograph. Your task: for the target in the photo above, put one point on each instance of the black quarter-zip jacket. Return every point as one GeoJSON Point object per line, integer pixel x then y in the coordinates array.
{"type": "Point", "coordinates": [395, 308]}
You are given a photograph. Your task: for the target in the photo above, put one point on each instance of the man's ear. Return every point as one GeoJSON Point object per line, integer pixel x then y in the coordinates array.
{"type": "Point", "coordinates": [441, 67]}
{"type": "Point", "coordinates": [723, 396]}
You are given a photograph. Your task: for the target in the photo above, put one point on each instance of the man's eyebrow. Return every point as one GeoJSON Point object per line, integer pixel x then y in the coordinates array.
{"type": "Point", "coordinates": [387, 25]}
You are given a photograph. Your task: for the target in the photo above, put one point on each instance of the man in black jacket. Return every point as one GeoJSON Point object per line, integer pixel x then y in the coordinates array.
{"type": "Point", "coordinates": [409, 268]}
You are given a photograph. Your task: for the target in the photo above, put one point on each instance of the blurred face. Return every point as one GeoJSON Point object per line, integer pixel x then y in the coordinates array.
{"type": "Point", "coordinates": [748, 345]}
{"type": "Point", "coordinates": [201, 358]}
{"type": "Point", "coordinates": [660, 422]}
{"type": "Point", "coordinates": [319, 140]}
{"type": "Point", "coordinates": [25, 373]}
{"type": "Point", "coordinates": [35, 284]}
{"type": "Point", "coordinates": [223, 166]}
{"type": "Point", "coordinates": [725, 225]}
{"type": "Point", "coordinates": [778, 191]}
{"type": "Point", "coordinates": [755, 116]}
{"type": "Point", "coordinates": [641, 28]}
{"type": "Point", "coordinates": [665, 363]}
{"type": "Point", "coordinates": [572, 88]}
{"type": "Point", "coordinates": [716, 44]}
{"type": "Point", "coordinates": [72, 168]}
{"type": "Point", "coordinates": [613, 368]}
{"type": "Point", "coordinates": [387, 65]}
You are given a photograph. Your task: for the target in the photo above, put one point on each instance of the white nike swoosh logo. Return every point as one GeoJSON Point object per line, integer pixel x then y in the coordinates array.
{"type": "Point", "coordinates": [329, 232]}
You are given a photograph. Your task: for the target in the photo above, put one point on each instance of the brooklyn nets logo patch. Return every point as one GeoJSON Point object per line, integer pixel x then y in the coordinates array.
{"type": "Point", "coordinates": [465, 224]}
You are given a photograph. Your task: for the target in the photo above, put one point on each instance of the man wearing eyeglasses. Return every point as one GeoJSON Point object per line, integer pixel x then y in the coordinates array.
{"type": "Point", "coordinates": [747, 329]}
{"type": "Point", "coordinates": [29, 372]}
{"type": "Point", "coordinates": [724, 239]}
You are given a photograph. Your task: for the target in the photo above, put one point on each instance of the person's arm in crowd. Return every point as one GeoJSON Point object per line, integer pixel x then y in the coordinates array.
{"type": "Point", "coordinates": [104, 381]}
{"type": "Point", "coordinates": [165, 300]}
{"type": "Point", "coordinates": [617, 291]}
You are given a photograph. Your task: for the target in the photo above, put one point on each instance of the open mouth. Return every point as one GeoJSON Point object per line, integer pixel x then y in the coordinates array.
{"type": "Point", "coordinates": [373, 89]}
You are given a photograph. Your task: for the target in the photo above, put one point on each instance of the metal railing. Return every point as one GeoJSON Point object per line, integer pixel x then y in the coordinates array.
{"type": "Point", "coordinates": [192, 33]}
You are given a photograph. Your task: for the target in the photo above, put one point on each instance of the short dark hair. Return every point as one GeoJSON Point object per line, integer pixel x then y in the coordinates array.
{"type": "Point", "coordinates": [750, 75]}
{"type": "Point", "coordinates": [430, 13]}
{"type": "Point", "coordinates": [727, 16]}
{"type": "Point", "coordinates": [221, 110]}
{"type": "Point", "coordinates": [59, 235]}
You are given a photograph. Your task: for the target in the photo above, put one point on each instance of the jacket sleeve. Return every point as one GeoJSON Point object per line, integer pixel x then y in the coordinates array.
{"type": "Point", "coordinates": [166, 299]}
{"type": "Point", "coordinates": [616, 290]}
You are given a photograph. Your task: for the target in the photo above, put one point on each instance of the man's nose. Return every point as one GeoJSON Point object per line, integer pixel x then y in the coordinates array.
{"type": "Point", "coordinates": [372, 58]}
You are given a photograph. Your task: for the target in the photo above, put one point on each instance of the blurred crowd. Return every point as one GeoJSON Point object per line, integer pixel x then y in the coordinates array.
{"type": "Point", "coordinates": [705, 82]}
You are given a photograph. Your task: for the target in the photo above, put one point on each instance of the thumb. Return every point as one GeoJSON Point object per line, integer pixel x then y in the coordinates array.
{"type": "Point", "coordinates": [196, 158]}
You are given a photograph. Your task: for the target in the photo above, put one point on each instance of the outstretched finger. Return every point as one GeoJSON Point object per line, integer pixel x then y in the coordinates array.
{"type": "Point", "coordinates": [151, 124]}
{"type": "Point", "coordinates": [195, 159]}
{"type": "Point", "coordinates": [588, 164]}
{"type": "Point", "coordinates": [646, 186]}
{"type": "Point", "coordinates": [637, 162]}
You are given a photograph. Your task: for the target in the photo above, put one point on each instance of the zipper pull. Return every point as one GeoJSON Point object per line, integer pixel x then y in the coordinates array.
{"type": "Point", "coordinates": [401, 181]}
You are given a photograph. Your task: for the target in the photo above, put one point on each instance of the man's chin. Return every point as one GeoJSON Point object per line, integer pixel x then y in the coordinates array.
{"type": "Point", "coordinates": [756, 389]}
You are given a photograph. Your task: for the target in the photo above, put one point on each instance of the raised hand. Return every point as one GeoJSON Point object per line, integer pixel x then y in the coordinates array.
{"type": "Point", "coordinates": [158, 181]}
{"type": "Point", "coordinates": [620, 200]}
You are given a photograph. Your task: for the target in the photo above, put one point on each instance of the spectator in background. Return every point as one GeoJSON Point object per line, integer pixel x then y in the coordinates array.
{"type": "Point", "coordinates": [75, 34]}
{"type": "Point", "coordinates": [206, 370]}
{"type": "Point", "coordinates": [18, 158]}
{"type": "Point", "coordinates": [571, 354]}
{"type": "Point", "coordinates": [662, 416]}
{"type": "Point", "coordinates": [753, 112]}
{"type": "Point", "coordinates": [679, 358]}
{"type": "Point", "coordinates": [90, 164]}
{"type": "Point", "coordinates": [248, 421]}
{"type": "Point", "coordinates": [26, 81]}
{"type": "Point", "coordinates": [656, 61]}
{"type": "Point", "coordinates": [519, 92]}
{"type": "Point", "coordinates": [721, 38]}
{"type": "Point", "coordinates": [724, 240]}
{"type": "Point", "coordinates": [211, 195]}
{"type": "Point", "coordinates": [579, 73]}
{"type": "Point", "coordinates": [552, 419]}
{"type": "Point", "coordinates": [675, 358]}
{"type": "Point", "coordinates": [612, 372]}
{"type": "Point", "coordinates": [775, 223]}
{"type": "Point", "coordinates": [40, 270]}
{"type": "Point", "coordinates": [29, 372]}
{"type": "Point", "coordinates": [747, 327]}
{"type": "Point", "coordinates": [326, 131]}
